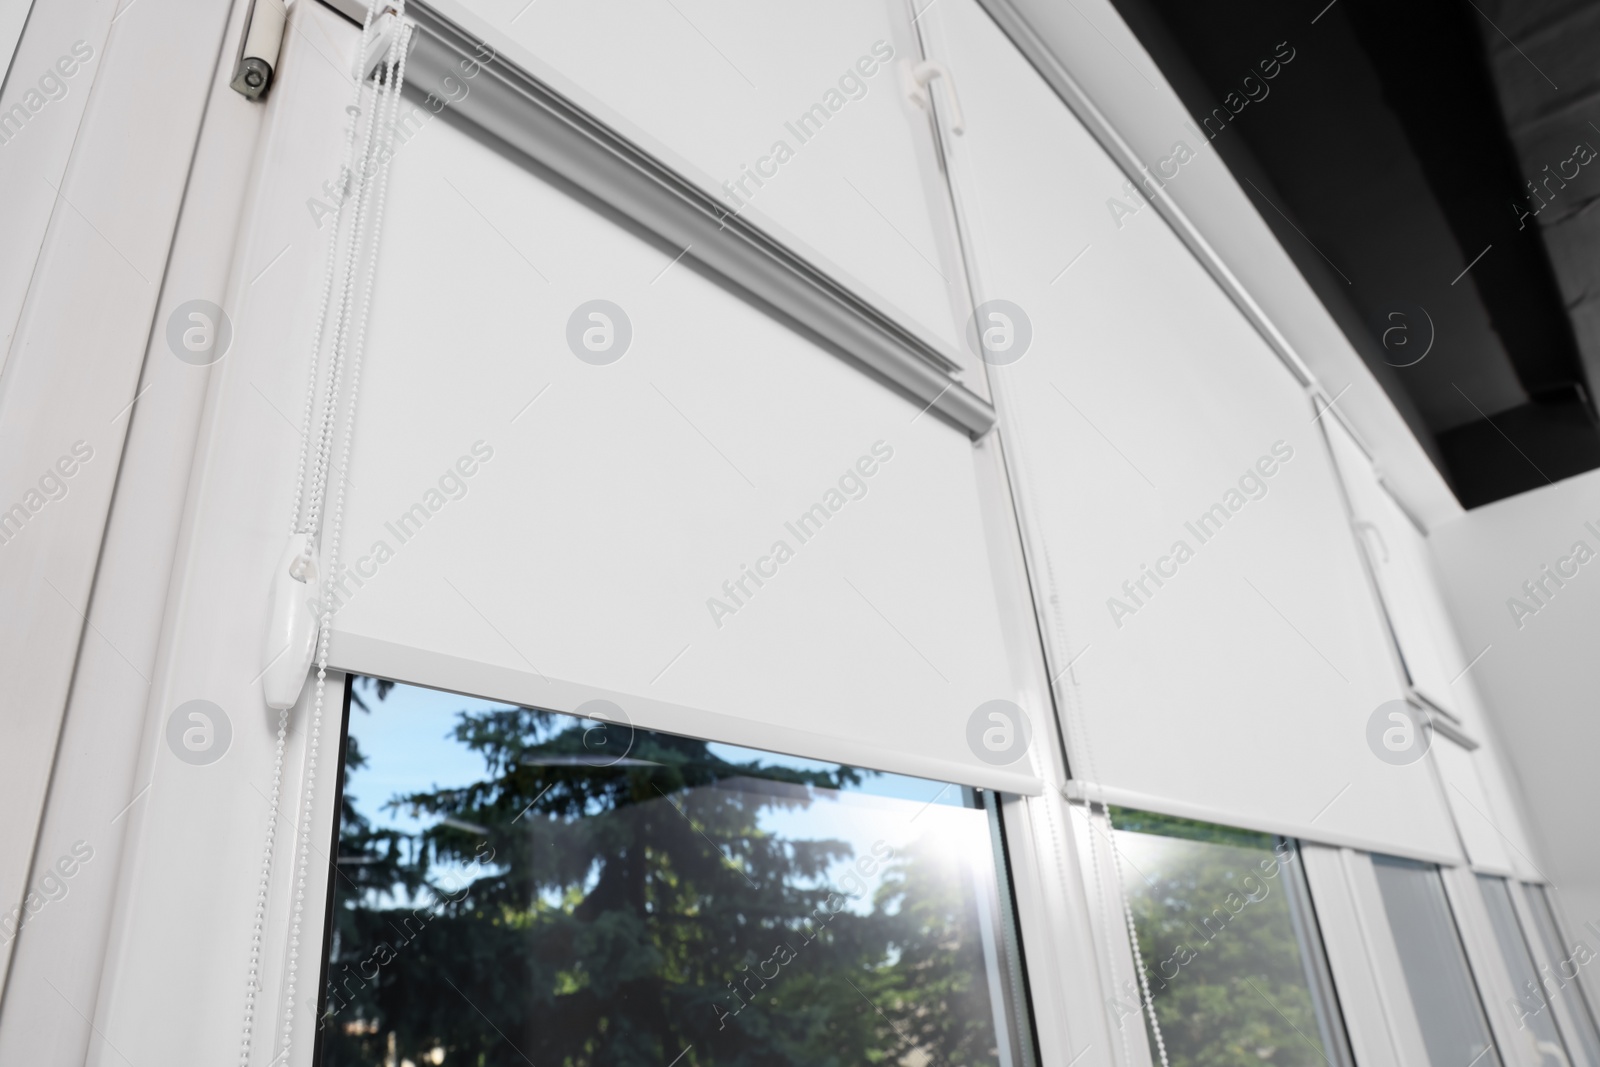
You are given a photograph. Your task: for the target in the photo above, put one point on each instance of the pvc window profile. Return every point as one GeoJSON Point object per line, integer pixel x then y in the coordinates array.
{"type": "Point", "coordinates": [518, 108]}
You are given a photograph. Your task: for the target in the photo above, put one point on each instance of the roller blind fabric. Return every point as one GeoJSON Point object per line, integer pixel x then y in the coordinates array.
{"type": "Point", "coordinates": [792, 115]}
{"type": "Point", "coordinates": [1216, 645]}
{"type": "Point", "coordinates": [584, 471]}
{"type": "Point", "coordinates": [1398, 553]}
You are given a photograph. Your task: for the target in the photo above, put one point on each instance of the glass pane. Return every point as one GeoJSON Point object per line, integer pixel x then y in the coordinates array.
{"type": "Point", "coordinates": [1536, 1022]}
{"type": "Point", "coordinates": [1559, 968]}
{"type": "Point", "coordinates": [1453, 1026]}
{"type": "Point", "coordinates": [1229, 945]}
{"type": "Point", "coordinates": [519, 887]}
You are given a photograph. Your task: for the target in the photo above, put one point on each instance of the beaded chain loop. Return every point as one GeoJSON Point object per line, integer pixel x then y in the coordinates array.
{"type": "Point", "coordinates": [355, 243]}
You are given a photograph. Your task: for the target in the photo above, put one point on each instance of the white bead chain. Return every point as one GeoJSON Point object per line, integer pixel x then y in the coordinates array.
{"type": "Point", "coordinates": [341, 334]}
{"type": "Point", "coordinates": [252, 981]}
{"type": "Point", "coordinates": [385, 110]}
{"type": "Point", "coordinates": [263, 885]}
{"type": "Point", "coordinates": [1133, 942]}
{"type": "Point", "coordinates": [345, 184]}
{"type": "Point", "coordinates": [353, 186]}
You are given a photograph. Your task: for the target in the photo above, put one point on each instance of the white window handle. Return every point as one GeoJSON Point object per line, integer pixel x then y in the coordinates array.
{"type": "Point", "coordinates": [918, 75]}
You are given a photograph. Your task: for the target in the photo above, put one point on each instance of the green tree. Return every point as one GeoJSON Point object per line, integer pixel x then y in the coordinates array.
{"type": "Point", "coordinates": [606, 898]}
{"type": "Point", "coordinates": [1219, 937]}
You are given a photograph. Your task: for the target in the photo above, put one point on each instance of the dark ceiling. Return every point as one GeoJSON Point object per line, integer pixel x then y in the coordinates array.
{"type": "Point", "coordinates": [1432, 168]}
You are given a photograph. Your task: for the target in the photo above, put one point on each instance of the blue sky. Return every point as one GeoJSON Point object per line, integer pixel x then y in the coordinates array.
{"type": "Point", "coordinates": [409, 748]}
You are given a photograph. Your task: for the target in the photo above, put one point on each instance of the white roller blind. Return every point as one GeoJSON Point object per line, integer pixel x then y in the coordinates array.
{"type": "Point", "coordinates": [1399, 559]}
{"type": "Point", "coordinates": [1152, 429]}
{"type": "Point", "coordinates": [717, 86]}
{"type": "Point", "coordinates": [1484, 811]}
{"type": "Point", "coordinates": [1485, 831]}
{"type": "Point", "coordinates": [538, 527]}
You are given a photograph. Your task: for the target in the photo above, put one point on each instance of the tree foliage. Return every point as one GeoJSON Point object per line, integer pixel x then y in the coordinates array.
{"type": "Point", "coordinates": [608, 898]}
{"type": "Point", "coordinates": [1220, 940]}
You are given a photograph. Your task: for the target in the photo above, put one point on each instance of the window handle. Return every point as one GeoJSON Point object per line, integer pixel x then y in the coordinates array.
{"type": "Point", "coordinates": [917, 77]}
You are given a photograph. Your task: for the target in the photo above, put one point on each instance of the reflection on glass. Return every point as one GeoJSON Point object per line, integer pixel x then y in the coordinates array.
{"type": "Point", "coordinates": [1535, 1021]}
{"type": "Point", "coordinates": [1437, 975]}
{"type": "Point", "coordinates": [518, 886]}
{"type": "Point", "coordinates": [1229, 945]}
{"type": "Point", "coordinates": [1560, 966]}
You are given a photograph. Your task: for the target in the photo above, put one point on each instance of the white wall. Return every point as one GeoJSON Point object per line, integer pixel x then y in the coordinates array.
{"type": "Point", "coordinates": [1540, 673]}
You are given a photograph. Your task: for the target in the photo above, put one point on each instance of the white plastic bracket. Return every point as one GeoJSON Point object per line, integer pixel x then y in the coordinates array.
{"type": "Point", "coordinates": [291, 639]}
{"type": "Point", "coordinates": [917, 76]}
{"type": "Point", "coordinates": [386, 23]}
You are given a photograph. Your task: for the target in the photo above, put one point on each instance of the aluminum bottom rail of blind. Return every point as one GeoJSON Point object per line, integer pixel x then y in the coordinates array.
{"type": "Point", "coordinates": [527, 114]}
